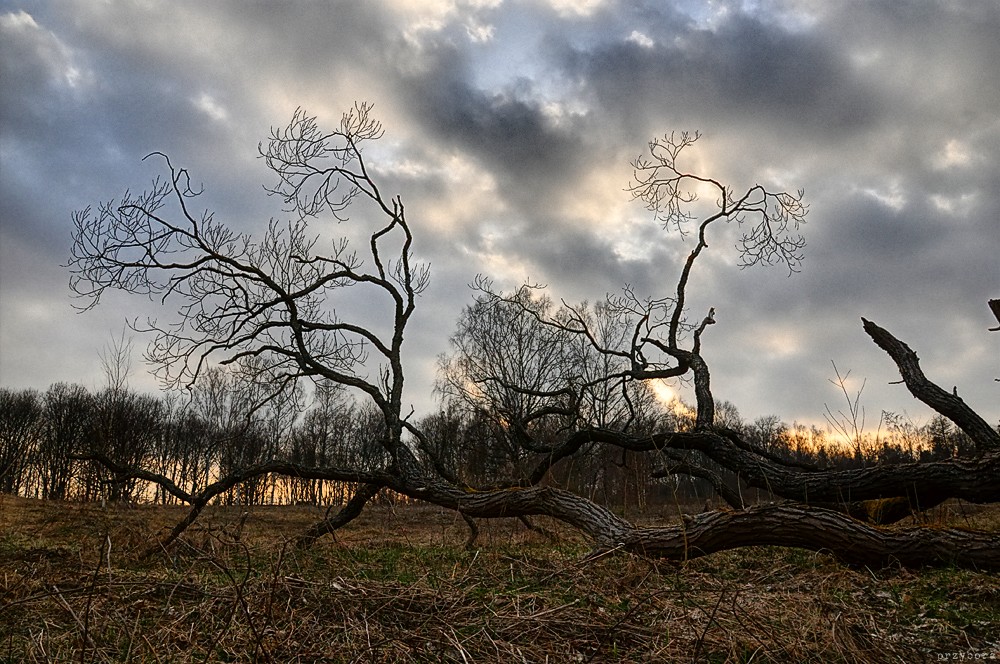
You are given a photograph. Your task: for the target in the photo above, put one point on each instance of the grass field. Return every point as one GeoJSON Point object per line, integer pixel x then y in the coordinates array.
{"type": "Point", "coordinates": [398, 586]}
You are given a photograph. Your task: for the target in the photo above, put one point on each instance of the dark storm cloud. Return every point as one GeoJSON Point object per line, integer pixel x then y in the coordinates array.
{"type": "Point", "coordinates": [505, 130]}
{"type": "Point", "coordinates": [576, 258]}
{"type": "Point", "coordinates": [743, 68]}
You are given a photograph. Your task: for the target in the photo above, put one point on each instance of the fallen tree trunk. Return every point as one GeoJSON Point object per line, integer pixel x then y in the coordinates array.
{"type": "Point", "coordinates": [822, 522]}
{"type": "Point", "coordinates": [815, 529]}
{"type": "Point", "coordinates": [916, 486]}
{"type": "Point", "coordinates": [850, 541]}
{"type": "Point", "coordinates": [923, 484]}
{"type": "Point", "coordinates": [976, 480]}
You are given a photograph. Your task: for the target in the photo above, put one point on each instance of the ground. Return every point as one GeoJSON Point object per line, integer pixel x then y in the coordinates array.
{"type": "Point", "coordinates": [398, 585]}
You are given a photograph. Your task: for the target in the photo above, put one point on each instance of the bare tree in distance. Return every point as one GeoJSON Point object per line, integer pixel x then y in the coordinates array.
{"type": "Point", "coordinates": [68, 429]}
{"type": "Point", "coordinates": [20, 421]}
{"type": "Point", "coordinates": [273, 309]}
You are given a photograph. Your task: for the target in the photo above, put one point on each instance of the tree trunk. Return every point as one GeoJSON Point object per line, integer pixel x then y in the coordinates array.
{"type": "Point", "coordinates": [812, 528]}
{"type": "Point", "coordinates": [815, 529]}
{"type": "Point", "coordinates": [849, 540]}
{"type": "Point", "coordinates": [345, 515]}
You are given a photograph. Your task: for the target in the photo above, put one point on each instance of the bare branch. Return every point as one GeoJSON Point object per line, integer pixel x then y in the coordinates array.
{"type": "Point", "coordinates": [950, 405]}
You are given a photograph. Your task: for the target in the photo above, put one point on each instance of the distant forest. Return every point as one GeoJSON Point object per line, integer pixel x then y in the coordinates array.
{"type": "Point", "coordinates": [211, 432]}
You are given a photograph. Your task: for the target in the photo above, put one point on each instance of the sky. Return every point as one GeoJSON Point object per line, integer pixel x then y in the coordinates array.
{"type": "Point", "coordinates": [509, 130]}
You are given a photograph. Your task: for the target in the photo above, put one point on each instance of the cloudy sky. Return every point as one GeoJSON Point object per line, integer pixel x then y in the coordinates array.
{"type": "Point", "coordinates": [509, 130]}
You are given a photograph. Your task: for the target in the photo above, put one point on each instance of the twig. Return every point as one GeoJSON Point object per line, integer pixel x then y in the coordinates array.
{"type": "Point", "coordinates": [76, 618]}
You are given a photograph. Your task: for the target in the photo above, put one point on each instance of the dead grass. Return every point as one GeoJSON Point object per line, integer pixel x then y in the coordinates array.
{"type": "Point", "coordinates": [396, 586]}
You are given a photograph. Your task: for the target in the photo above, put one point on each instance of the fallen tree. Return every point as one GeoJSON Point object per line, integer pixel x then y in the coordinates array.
{"type": "Point", "coordinates": [269, 310]}
{"type": "Point", "coordinates": [796, 525]}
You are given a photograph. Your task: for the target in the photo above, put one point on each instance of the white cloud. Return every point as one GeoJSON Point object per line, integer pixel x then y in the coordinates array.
{"type": "Point", "coordinates": [480, 32]}
{"type": "Point", "coordinates": [957, 205]}
{"type": "Point", "coordinates": [422, 19]}
{"type": "Point", "coordinates": [576, 8]}
{"type": "Point", "coordinates": [890, 195]}
{"type": "Point", "coordinates": [954, 154]}
{"type": "Point", "coordinates": [20, 20]}
{"type": "Point", "coordinates": [641, 39]}
{"type": "Point", "coordinates": [45, 47]}
{"type": "Point", "coordinates": [208, 105]}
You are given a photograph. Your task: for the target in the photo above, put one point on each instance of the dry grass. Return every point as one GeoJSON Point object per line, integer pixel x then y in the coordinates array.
{"type": "Point", "coordinates": [397, 586]}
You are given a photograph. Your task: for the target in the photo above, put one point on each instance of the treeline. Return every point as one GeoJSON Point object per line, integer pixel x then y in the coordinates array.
{"type": "Point", "coordinates": [213, 431]}
{"type": "Point", "coordinates": [193, 439]}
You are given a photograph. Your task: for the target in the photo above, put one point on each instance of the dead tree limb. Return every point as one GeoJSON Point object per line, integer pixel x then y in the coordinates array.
{"type": "Point", "coordinates": [847, 539]}
{"type": "Point", "coordinates": [815, 529]}
{"type": "Point", "coordinates": [811, 528]}
{"type": "Point", "coordinates": [470, 541]}
{"type": "Point", "coordinates": [370, 481]}
{"type": "Point", "coordinates": [345, 515]}
{"type": "Point", "coordinates": [976, 480]}
{"type": "Point", "coordinates": [950, 405]}
{"type": "Point", "coordinates": [680, 466]}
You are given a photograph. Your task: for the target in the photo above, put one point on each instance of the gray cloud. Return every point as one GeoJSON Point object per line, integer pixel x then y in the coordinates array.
{"type": "Point", "coordinates": [788, 83]}
{"type": "Point", "coordinates": [509, 129]}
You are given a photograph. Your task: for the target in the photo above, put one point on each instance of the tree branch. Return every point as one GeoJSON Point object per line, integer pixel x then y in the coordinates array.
{"type": "Point", "coordinates": [950, 405]}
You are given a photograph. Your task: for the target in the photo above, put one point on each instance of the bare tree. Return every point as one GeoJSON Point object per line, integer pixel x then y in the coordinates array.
{"type": "Point", "coordinates": [275, 310]}
{"type": "Point", "coordinates": [20, 423]}
{"type": "Point", "coordinates": [68, 429]}
{"type": "Point", "coordinates": [126, 428]}
{"type": "Point", "coordinates": [509, 368]}
{"type": "Point", "coordinates": [539, 384]}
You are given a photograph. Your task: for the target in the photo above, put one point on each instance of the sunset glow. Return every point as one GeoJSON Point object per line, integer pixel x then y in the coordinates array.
{"type": "Point", "coordinates": [663, 392]}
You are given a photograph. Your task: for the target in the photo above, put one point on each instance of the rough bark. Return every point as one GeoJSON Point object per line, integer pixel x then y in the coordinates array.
{"type": "Point", "coordinates": [917, 486]}
{"type": "Point", "coordinates": [923, 484]}
{"type": "Point", "coordinates": [849, 540]}
{"type": "Point", "coordinates": [815, 529]}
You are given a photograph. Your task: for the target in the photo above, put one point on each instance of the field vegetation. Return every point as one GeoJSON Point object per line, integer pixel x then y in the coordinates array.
{"type": "Point", "coordinates": [398, 585]}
